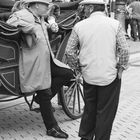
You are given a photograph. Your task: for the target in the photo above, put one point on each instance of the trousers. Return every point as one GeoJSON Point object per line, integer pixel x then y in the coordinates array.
{"type": "Point", "coordinates": [60, 76]}
{"type": "Point", "coordinates": [101, 104]}
{"type": "Point", "coordinates": [135, 25]}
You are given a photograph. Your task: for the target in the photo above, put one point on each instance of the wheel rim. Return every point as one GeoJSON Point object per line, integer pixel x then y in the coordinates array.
{"type": "Point", "coordinates": [74, 98]}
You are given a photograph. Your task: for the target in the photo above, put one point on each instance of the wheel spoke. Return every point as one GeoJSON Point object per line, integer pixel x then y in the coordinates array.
{"type": "Point", "coordinates": [71, 95]}
{"type": "Point", "coordinates": [81, 83]}
{"type": "Point", "coordinates": [81, 92]}
{"type": "Point", "coordinates": [74, 98]}
{"type": "Point", "coordinates": [78, 96]}
{"type": "Point", "coordinates": [69, 88]}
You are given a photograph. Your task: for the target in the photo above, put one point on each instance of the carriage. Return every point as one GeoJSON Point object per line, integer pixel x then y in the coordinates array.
{"type": "Point", "coordinates": [71, 98]}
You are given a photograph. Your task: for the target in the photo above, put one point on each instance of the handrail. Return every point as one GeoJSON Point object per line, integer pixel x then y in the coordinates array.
{"type": "Point", "coordinates": [66, 19]}
{"type": "Point", "coordinates": [71, 23]}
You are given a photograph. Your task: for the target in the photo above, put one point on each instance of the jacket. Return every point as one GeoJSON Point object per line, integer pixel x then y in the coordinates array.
{"type": "Point", "coordinates": [34, 62]}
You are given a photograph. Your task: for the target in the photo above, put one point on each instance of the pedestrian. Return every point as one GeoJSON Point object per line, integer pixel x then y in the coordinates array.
{"type": "Point", "coordinates": [98, 46]}
{"type": "Point", "coordinates": [38, 68]}
{"type": "Point", "coordinates": [128, 20]}
{"type": "Point", "coordinates": [135, 19]}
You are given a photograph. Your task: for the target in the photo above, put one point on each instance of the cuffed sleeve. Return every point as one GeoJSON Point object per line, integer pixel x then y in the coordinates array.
{"type": "Point", "coordinates": [72, 50]}
{"type": "Point", "coordinates": [122, 49]}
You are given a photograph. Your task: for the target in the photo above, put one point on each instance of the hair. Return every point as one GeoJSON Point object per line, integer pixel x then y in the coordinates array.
{"type": "Point", "coordinates": [99, 7]}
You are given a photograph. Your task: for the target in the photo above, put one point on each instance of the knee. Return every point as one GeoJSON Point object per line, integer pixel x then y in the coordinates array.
{"type": "Point", "coordinates": [69, 75]}
{"type": "Point", "coordinates": [44, 95]}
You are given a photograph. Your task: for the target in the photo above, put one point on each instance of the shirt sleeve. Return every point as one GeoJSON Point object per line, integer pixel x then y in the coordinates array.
{"type": "Point", "coordinates": [72, 50]}
{"type": "Point", "coordinates": [122, 49]}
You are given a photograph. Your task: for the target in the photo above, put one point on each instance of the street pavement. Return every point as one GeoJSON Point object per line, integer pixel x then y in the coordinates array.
{"type": "Point", "coordinates": [18, 123]}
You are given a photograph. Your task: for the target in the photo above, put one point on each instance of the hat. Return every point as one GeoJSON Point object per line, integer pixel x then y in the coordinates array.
{"type": "Point", "coordinates": [40, 1]}
{"type": "Point", "coordinates": [93, 2]}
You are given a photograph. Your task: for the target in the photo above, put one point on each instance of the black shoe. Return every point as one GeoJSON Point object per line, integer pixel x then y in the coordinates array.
{"type": "Point", "coordinates": [57, 133]}
{"type": "Point", "coordinates": [127, 36]}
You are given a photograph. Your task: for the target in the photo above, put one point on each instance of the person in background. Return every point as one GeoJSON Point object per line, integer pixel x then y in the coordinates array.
{"type": "Point", "coordinates": [98, 46]}
{"type": "Point", "coordinates": [39, 70]}
{"type": "Point", "coordinates": [135, 19]}
{"type": "Point", "coordinates": [128, 12]}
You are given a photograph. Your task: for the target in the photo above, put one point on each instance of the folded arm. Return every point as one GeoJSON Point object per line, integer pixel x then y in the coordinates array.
{"type": "Point", "coordinates": [122, 50]}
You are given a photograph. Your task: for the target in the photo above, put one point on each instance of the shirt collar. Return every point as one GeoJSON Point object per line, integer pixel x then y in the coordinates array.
{"type": "Point", "coordinates": [98, 13]}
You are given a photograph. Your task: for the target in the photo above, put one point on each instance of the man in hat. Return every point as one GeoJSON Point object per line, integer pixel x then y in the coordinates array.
{"type": "Point", "coordinates": [102, 55]}
{"type": "Point", "coordinates": [39, 70]}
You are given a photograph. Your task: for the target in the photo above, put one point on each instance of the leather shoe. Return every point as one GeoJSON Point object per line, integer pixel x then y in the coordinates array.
{"type": "Point", "coordinates": [57, 132]}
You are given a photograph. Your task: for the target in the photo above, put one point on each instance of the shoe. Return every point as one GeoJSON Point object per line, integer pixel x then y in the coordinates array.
{"type": "Point", "coordinates": [127, 36]}
{"type": "Point", "coordinates": [57, 132]}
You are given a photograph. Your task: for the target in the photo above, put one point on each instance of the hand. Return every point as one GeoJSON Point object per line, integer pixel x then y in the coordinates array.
{"type": "Point", "coordinates": [54, 27]}
{"type": "Point", "coordinates": [120, 70]}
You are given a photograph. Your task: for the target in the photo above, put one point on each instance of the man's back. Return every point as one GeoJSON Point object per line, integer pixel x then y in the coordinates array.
{"type": "Point", "coordinates": [97, 35]}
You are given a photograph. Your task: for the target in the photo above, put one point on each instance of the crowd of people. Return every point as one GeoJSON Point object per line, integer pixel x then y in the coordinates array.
{"type": "Point", "coordinates": [97, 45]}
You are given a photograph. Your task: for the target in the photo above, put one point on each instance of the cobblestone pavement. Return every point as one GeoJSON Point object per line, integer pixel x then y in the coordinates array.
{"type": "Point", "coordinates": [18, 123]}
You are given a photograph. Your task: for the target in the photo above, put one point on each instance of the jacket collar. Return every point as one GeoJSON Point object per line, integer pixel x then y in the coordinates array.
{"type": "Point", "coordinates": [37, 19]}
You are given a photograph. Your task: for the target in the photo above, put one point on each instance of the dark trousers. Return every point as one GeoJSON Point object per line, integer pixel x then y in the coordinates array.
{"type": "Point", "coordinates": [135, 25]}
{"type": "Point", "coordinates": [101, 104]}
{"type": "Point", "coordinates": [60, 76]}
{"type": "Point", "coordinates": [127, 23]}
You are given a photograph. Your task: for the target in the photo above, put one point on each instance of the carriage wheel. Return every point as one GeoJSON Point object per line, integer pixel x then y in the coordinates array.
{"type": "Point", "coordinates": [71, 97]}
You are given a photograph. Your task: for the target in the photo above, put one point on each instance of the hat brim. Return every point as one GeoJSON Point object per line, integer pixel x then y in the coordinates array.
{"type": "Point", "coordinates": [90, 2]}
{"type": "Point", "coordinates": [38, 1]}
